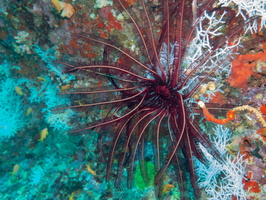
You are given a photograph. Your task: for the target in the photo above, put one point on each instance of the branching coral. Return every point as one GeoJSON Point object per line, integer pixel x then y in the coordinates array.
{"type": "Point", "coordinates": [222, 180]}
{"type": "Point", "coordinates": [249, 8]}
{"type": "Point", "coordinates": [12, 111]}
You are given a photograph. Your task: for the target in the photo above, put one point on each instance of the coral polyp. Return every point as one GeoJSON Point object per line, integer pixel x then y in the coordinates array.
{"type": "Point", "coordinates": [142, 99]}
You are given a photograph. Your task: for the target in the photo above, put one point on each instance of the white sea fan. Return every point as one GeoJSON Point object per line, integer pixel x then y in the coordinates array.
{"type": "Point", "coordinates": [201, 45]}
{"type": "Point", "coordinates": [222, 180]}
{"type": "Point", "coordinates": [249, 8]}
{"type": "Point", "coordinates": [36, 176]}
{"type": "Point", "coordinates": [12, 111]}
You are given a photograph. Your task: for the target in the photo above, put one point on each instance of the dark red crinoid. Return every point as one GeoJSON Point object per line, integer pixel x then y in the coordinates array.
{"type": "Point", "coordinates": [142, 97]}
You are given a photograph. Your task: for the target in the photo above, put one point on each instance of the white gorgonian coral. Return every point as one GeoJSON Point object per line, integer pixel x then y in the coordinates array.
{"type": "Point", "coordinates": [249, 8]}
{"type": "Point", "coordinates": [222, 180]}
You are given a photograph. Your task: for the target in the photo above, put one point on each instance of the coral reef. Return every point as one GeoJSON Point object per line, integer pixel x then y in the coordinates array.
{"type": "Point", "coordinates": [222, 180]}
{"type": "Point", "coordinates": [12, 119]}
{"type": "Point", "coordinates": [41, 159]}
